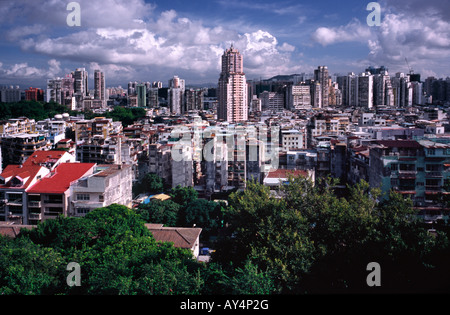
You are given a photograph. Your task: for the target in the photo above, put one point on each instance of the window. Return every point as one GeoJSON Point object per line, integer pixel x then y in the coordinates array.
{"type": "Point", "coordinates": [83, 210]}
{"type": "Point", "coordinates": [83, 197]}
{"type": "Point", "coordinates": [101, 198]}
{"type": "Point", "coordinates": [431, 151]}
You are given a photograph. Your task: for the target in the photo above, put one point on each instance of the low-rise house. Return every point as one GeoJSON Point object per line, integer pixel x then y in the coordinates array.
{"type": "Point", "coordinates": [188, 238]}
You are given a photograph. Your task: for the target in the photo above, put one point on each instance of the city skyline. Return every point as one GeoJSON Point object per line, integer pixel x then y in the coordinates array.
{"type": "Point", "coordinates": [154, 40]}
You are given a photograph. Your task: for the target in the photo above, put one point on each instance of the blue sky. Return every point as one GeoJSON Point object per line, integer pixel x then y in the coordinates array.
{"type": "Point", "coordinates": [137, 40]}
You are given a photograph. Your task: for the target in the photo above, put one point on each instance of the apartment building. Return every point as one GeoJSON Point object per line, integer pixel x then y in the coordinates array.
{"type": "Point", "coordinates": [14, 182]}
{"type": "Point", "coordinates": [50, 196]}
{"type": "Point", "coordinates": [99, 126]}
{"type": "Point", "coordinates": [16, 148]}
{"type": "Point", "coordinates": [17, 125]}
{"type": "Point", "coordinates": [108, 184]}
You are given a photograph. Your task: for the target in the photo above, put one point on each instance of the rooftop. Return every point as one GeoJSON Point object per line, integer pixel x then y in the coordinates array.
{"type": "Point", "coordinates": [25, 173]}
{"type": "Point", "coordinates": [180, 237]}
{"type": "Point", "coordinates": [59, 181]}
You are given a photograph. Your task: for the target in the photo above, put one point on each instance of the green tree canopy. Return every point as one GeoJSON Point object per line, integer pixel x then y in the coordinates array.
{"type": "Point", "coordinates": [158, 211]}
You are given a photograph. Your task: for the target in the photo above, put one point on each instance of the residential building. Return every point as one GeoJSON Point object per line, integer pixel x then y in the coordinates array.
{"type": "Point", "coordinates": [272, 101]}
{"type": "Point", "coordinates": [49, 159]}
{"type": "Point", "coordinates": [14, 182]}
{"type": "Point", "coordinates": [50, 196]}
{"type": "Point", "coordinates": [34, 94]}
{"type": "Point", "coordinates": [321, 76]}
{"type": "Point", "coordinates": [232, 88]}
{"type": "Point", "coordinates": [175, 95]}
{"type": "Point", "coordinates": [108, 184]}
{"type": "Point", "coordinates": [11, 94]}
{"type": "Point", "coordinates": [188, 238]}
{"type": "Point", "coordinates": [365, 90]}
{"type": "Point", "coordinates": [16, 148]}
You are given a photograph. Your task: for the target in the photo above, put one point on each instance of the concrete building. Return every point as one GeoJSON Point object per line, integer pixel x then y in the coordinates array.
{"type": "Point", "coordinates": [14, 182]}
{"type": "Point", "coordinates": [293, 139]}
{"type": "Point", "coordinates": [34, 94]}
{"type": "Point", "coordinates": [321, 76]}
{"type": "Point", "coordinates": [17, 148]}
{"type": "Point", "coordinates": [272, 101]}
{"type": "Point", "coordinates": [176, 95]}
{"type": "Point", "coordinates": [108, 184]}
{"type": "Point", "coordinates": [10, 94]}
{"type": "Point", "coordinates": [50, 196]}
{"type": "Point", "coordinates": [365, 90]}
{"type": "Point", "coordinates": [99, 86]}
{"type": "Point", "coordinates": [232, 88]}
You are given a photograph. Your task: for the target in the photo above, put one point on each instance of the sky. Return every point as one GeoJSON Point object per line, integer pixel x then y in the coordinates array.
{"type": "Point", "coordinates": [144, 40]}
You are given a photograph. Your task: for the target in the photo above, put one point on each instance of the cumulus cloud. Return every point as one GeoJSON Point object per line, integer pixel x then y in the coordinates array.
{"type": "Point", "coordinates": [352, 32]}
{"type": "Point", "coordinates": [422, 36]}
{"type": "Point", "coordinates": [23, 70]}
{"type": "Point", "coordinates": [127, 37]}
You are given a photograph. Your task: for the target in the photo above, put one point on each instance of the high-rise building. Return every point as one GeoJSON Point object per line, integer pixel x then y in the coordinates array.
{"type": "Point", "coordinates": [232, 88]}
{"type": "Point", "coordinates": [383, 92]}
{"type": "Point", "coordinates": [175, 95]}
{"type": "Point", "coordinates": [99, 85]}
{"type": "Point", "coordinates": [321, 75]}
{"type": "Point", "coordinates": [349, 87]}
{"type": "Point", "coordinates": [10, 94]}
{"type": "Point", "coordinates": [141, 93]}
{"type": "Point", "coordinates": [402, 89]}
{"type": "Point", "coordinates": [365, 89]}
{"type": "Point", "coordinates": [54, 90]}
{"type": "Point", "coordinates": [34, 94]}
{"type": "Point", "coordinates": [81, 87]}
{"type": "Point", "coordinates": [298, 97]}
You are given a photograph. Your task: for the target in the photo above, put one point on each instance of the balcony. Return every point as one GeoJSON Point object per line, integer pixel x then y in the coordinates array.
{"type": "Point", "coordinates": [34, 204]}
{"type": "Point", "coordinates": [16, 202]}
{"type": "Point", "coordinates": [35, 216]}
{"type": "Point", "coordinates": [434, 174]}
{"type": "Point", "coordinates": [433, 187]}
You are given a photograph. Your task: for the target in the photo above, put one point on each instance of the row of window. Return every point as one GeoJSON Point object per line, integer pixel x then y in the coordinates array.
{"type": "Point", "coordinates": [87, 197]}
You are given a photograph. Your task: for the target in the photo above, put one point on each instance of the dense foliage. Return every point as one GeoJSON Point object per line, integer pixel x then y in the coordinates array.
{"type": "Point", "coordinates": [42, 110]}
{"type": "Point", "coordinates": [308, 241]}
{"type": "Point", "coordinates": [32, 110]}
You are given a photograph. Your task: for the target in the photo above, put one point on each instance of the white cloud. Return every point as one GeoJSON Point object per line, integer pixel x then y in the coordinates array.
{"type": "Point", "coordinates": [352, 32]}
{"type": "Point", "coordinates": [23, 70]}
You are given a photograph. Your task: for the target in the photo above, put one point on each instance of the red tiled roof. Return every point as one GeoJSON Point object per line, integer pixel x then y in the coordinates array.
{"type": "Point", "coordinates": [283, 173]}
{"type": "Point", "coordinates": [21, 171]}
{"type": "Point", "coordinates": [39, 157]}
{"type": "Point", "coordinates": [13, 230]}
{"type": "Point", "coordinates": [180, 237]}
{"type": "Point", "coordinates": [62, 176]}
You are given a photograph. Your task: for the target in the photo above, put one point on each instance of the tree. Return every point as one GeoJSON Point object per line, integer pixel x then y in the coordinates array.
{"type": "Point", "coordinates": [152, 183]}
{"type": "Point", "coordinates": [202, 213]}
{"type": "Point", "coordinates": [313, 241]}
{"type": "Point", "coordinates": [269, 234]}
{"type": "Point", "coordinates": [116, 253]}
{"type": "Point", "coordinates": [183, 195]}
{"type": "Point", "coordinates": [29, 269]}
{"type": "Point", "coordinates": [159, 211]}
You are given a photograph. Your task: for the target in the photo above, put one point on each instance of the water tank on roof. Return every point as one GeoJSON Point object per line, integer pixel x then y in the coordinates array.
{"type": "Point", "coordinates": [58, 116]}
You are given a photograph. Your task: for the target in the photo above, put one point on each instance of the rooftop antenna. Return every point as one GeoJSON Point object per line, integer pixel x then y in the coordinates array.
{"type": "Point", "coordinates": [411, 71]}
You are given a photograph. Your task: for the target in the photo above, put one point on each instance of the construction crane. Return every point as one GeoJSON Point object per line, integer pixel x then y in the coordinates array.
{"type": "Point", "coordinates": [411, 71]}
